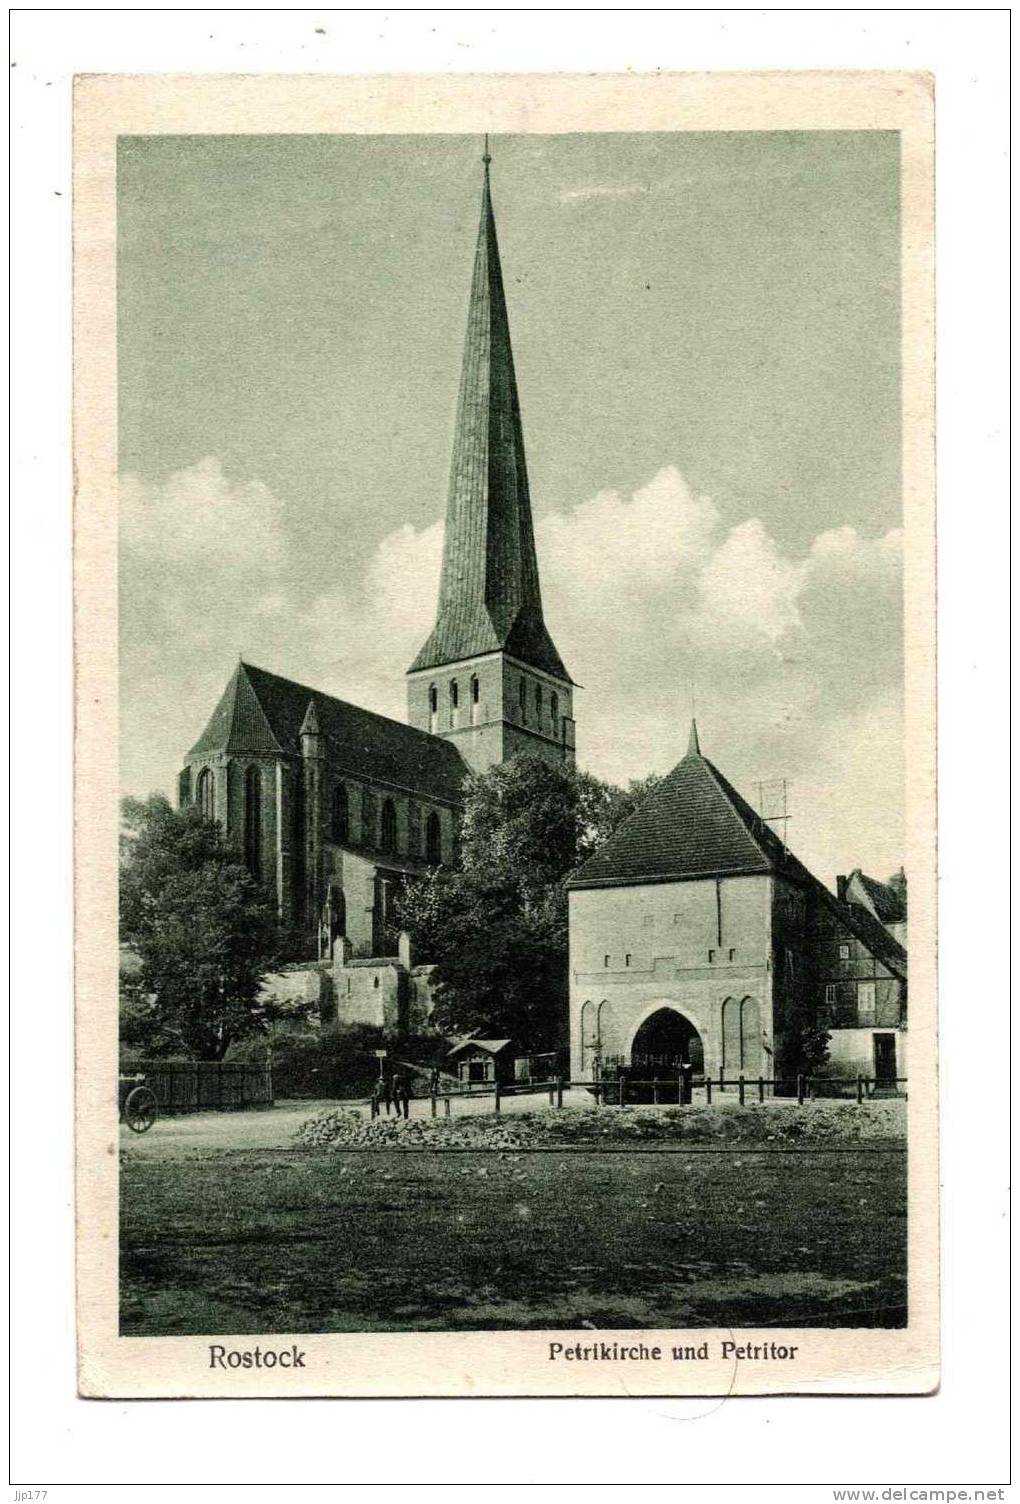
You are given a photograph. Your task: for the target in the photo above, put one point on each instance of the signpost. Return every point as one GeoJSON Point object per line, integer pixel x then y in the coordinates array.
{"type": "Point", "coordinates": [380, 1055]}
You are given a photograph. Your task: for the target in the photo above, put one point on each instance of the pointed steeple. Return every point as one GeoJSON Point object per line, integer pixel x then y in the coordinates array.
{"type": "Point", "coordinates": [693, 745]}
{"type": "Point", "coordinates": [489, 596]}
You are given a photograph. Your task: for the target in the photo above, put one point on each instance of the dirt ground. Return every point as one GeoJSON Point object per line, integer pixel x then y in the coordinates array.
{"type": "Point", "coordinates": [262, 1239]}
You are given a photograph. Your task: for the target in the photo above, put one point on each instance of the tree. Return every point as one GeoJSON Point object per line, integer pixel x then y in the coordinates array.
{"type": "Point", "coordinates": [205, 935]}
{"type": "Point", "coordinates": [496, 928]}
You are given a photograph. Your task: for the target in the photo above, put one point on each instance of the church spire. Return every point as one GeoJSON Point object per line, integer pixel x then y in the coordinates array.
{"type": "Point", "coordinates": [489, 595]}
{"type": "Point", "coordinates": [693, 745]}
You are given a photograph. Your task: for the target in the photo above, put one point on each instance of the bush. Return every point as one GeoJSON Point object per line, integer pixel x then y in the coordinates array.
{"type": "Point", "coordinates": [341, 1062]}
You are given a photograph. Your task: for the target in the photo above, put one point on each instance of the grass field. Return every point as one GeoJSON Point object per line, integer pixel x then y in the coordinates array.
{"type": "Point", "coordinates": [280, 1240]}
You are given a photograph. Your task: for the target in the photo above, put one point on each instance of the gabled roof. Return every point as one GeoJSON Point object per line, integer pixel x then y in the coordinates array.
{"type": "Point", "coordinates": [489, 595]}
{"type": "Point", "coordinates": [886, 902]}
{"type": "Point", "coordinates": [870, 932]}
{"type": "Point", "coordinates": [692, 824]}
{"type": "Point", "coordinates": [488, 1046]}
{"type": "Point", "coordinates": [261, 712]}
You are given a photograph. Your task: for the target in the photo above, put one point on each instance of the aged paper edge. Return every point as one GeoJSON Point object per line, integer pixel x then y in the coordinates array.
{"type": "Point", "coordinates": [475, 1364]}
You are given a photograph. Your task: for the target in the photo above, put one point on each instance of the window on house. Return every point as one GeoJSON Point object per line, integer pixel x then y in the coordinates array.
{"type": "Point", "coordinates": [375, 981]}
{"type": "Point", "coordinates": [341, 822]}
{"type": "Point", "coordinates": [522, 699]}
{"type": "Point", "coordinates": [605, 960]}
{"type": "Point", "coordinates": [454, 694]}
{"type": "Point", "coordinates": [830, 992]}
{"type": "Point", "coordinates": [711, 955]}
{"type": "Point", "coordinates": [433, 699]}
{"type": "Point", "coordinates": [731, 955]}
{"type": "Point", "coordinates": [554, 712]}
{"type": "Point", "coordinates": [865, 1003]}
{"type": "Point", "coordinates": [626, 959]}
{"type": "Point", "coordinates": [388, 833]}
{"type": "Point", "coordinates": [538, 703]}
{"type": "Point", "coordinates": [205, 793]}
{"type": "Point", "coordinates": [433, 840]}
{"type": "Point", "coordinates": [844, 952]}
{"type": "Point", "coordinates": [474, 689]}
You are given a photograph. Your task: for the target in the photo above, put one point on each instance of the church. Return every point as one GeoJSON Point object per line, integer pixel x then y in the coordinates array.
{"type": "Point", "coordinates": [694, 933]}
{"type": "Point", "coordinates": [335, 806]}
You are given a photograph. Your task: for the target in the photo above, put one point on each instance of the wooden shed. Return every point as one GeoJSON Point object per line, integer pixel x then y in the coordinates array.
{"type": "Point", "coordinates": [483, 1062]}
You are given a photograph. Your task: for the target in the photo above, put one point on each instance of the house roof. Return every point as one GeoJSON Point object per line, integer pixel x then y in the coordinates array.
{"type": "Point", "coordinates": [260, 712]}
{"type": "Point", "coordinates": [886, 902]}
{"type": "Point", "coordinates": [885, 947]}
{"type": "Point", "coordinates": [692, 824]}
{"type": "Point", "coordinates": [489, 595]}
{"type": "Point", "coordinates": [489, 1046]}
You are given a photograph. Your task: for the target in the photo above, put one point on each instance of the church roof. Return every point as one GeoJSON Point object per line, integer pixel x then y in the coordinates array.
{"type": "Point", "coordinates": [489, 595]}
{"type": "Point", "coordinates": [261, 712]}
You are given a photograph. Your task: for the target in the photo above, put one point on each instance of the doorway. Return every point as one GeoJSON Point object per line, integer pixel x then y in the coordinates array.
{"type": "Point", "coordinates": [665, 1041]}
{"type": "Point", "coordinates": [885, 1059]}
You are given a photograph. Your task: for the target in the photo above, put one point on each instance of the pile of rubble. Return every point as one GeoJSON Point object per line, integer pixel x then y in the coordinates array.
{"type": "Point", "coordinates": [776, 1123]}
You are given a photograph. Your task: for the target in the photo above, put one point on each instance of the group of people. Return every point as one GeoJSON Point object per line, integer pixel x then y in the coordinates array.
{"type": "Point", "coordinates": [392, 1091]}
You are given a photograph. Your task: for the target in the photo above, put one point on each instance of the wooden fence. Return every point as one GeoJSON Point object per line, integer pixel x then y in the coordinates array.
{"type": "Point", "coordinates": [208, 1085]}
{"type": "Point", "coordinates": [622, 1091]}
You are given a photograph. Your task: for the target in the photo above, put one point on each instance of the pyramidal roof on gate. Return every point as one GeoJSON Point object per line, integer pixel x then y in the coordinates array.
{"type": "Point", "coordinates": [489, 594]}
{"type": "Point", "coordinates": [692, 824]}
{"type": "Point", "coordinates": [260, 713]}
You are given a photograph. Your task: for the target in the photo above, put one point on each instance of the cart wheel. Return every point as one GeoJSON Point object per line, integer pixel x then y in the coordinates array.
{"type": "Point", "coordinates": [141, 1109]}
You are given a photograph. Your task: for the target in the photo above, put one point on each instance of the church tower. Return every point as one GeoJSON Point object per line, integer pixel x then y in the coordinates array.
{"type": "Point", "coordinates": [489, 678]}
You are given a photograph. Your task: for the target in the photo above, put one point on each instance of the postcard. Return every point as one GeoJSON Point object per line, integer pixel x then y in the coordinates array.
{"type": "Point", "coordinates": [505, 757]}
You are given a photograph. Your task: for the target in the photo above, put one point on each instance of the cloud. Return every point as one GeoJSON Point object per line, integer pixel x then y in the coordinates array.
{"type": "Point", "coordinates": [795, 662]}
{"type": "Point", "coordinates": [601, 190]}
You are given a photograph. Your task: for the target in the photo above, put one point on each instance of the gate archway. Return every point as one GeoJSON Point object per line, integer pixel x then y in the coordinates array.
{"type": "Point", "coordinates": [664, 1041]}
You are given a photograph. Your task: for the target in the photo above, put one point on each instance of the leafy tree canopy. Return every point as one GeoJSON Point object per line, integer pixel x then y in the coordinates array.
{"type": "Point", "coordinates": [204, 934]}
{"type": "Point", "coordinates": [496, 928]}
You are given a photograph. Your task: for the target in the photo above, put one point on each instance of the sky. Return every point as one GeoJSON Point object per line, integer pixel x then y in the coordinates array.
{"type": "Point", "coordinates": [706, 335]}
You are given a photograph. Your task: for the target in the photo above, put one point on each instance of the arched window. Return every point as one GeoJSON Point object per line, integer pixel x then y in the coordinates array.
{"type": "Point", "coordinates": [205, 793]}
{"type": "Point", "coordinates": [554, 712]}
{"type": "Point", "coordinates": [433, 840]}
{"type": "Point", "coordinates": [474, 689]}
{"type": "Point", "coordinates": [388, 837]}
{"type": "Point", "coordinates": [253, 821]}
{"type": "Point", "coordinates": [538, 704]}
{"type": "Point", "coordinates": [522, 699]}
{"type": "Point", "coordinates": [433, 699]}
{"type": "Point", "coordinates": [341, 822]}
{"type": "Point", "coordinates": [454, 694]}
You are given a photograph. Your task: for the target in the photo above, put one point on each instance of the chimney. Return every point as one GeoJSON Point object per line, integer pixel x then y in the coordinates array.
{"type": "Point", "coordinates": [841, 887]}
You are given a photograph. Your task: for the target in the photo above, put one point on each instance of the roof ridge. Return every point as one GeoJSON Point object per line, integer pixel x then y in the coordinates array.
{"type": "Point", "coordinates": [241, 665]}
{"type": "Point", "coordinates": [374, 715]}
{"type": "Point", "coordinates": [734, 800]}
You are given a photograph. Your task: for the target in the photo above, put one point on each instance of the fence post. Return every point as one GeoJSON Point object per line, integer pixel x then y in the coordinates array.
{"type": "Point", "coordinates": [801, 1083]}
{"type": "Point", "coordinates": [432, 1100]}
{"type": "Point", "coordinates": [655, 1092]}
{"type": "Point", "coordinates": [721, 1081]}
{"type": "Point", "coordinates": [860, 1090]}
{"type": "Point", "coordinates": [761, 1089]}
{"type": "Point", "coordinates": [741, 1084]}
{"type": "Point", "coordinates": [559, 1091]}
{"type": "Point", "coordinates": [497, 1096]}
{"type": "Point", "coordinates": [552, 1093]}
{"type": "Point", "coordinates": [708, 1091]}
{"type": "Point", "coordinates": [446, 1105]}
{"type": "Point", "coordinates": [623, 1092]}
